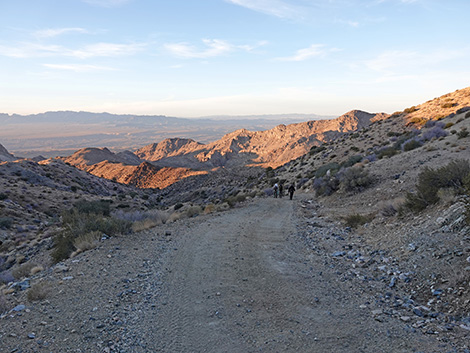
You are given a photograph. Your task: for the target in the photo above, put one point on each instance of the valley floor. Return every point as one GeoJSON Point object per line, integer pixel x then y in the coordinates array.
{"type": "Point", "coordinates": [263, 277]}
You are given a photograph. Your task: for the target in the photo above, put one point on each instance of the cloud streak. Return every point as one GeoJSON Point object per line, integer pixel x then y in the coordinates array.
{"type": "Point", "coordinates": [212, 48]}
{"type": "Point", "coordinates": [33, 50]}
{"type": "Point", "coordinates": [277, 8]}
{"type": "Point", "coordinates": [106, 3]}
{"type": "Point", "coordinates": [313, 51]}
{"type": "Point", "coordinates": [78, 67]}
{"type": "Point", "coordinates": [54, 32]}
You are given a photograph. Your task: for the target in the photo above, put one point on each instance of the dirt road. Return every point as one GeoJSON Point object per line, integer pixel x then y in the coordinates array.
{"type": "Point", "coordinates": [243, 282]}
{"type": "Point", "coordinates": [238, 281]}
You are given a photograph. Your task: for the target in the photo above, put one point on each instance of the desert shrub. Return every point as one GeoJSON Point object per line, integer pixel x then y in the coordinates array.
{"type": "Point", "coordinates": [462, 133]}
{"type": "Point", "coordinates": [410, 110]}
{"type": "Point", "coordinates": [315, 150]}
{"type": "Point", "coordinates": [178, 206]}
{"type": "Point", "coordinates": [432, 123]}
{"type": "Point", "coordinates": [63, 246]}
{"type": "Point", "coordinates": [193, 211]}
{"type": "Point", "coordinates": [448, 105]}
{"type": "Point", "coordinates": [417, 121]}
{"type": "Point", "coordinates": [393, 133]}
{"type": "Point", "coordinates": [467, 115]}
{"type": "Point", "coordinates": [87, 241]}
{"type": "Point", "coordinates": [412, 144]}
{"type": "Point", "coordinates": [370, 158]}
{"type": "Point", "coordinates": [6, 222]}
{"type": "Point", "coordinates": [386, 152]}
{"type": "Point", "coordinates": [23, 271]}
{"type": "Point", "coordinates": [354, 179]}
{"type": "Point", "coordinates": [351, 161]}
{"type": "Point", "coordinates": [3, 196]}
{"type": "Point", "coordinates": [435, 132]}
{"type": "Point", "coordinates": [448, 125]}
{"type": "Point", "coordinates": [210, 208]}
{"type": "Point", "coordinates": [322, 171]}
{"type": "Point", "coordinates": [38, 291]}
{"type": "Point", "coordinates": [96, 207]}
{"type": "Point", "coordinates": [325, 186]}
{"type": "Point", "coordinates": [356, 220]}
{"type": "Point", "coordinates": [233, 200]}
{"type": "Point", "coordinates": [431, 180]}
{"type": "Point", "coordinates": [77, 224]}
{"type": "Point", "coordinates": [389, 211]}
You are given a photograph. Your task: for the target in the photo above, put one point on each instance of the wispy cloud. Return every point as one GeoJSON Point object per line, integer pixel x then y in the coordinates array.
{"type": "Point", "coordinates": [29, 50]}
{"type": "Point", "coordinates": [107, 3]}
{"type": "Point", "coordinates": [106, 49]}
{"type": "Point", "coordinates": [78, 67]}
{"type": "Point", "coordinates": [401, 60]}
{"type": "Point", "coordinates": [212, 48]}
{"type": "Point", "coordinates": [54, 32]}
{"type": "Point", "coordinates": [315, 50]}
{"type": "Point", "coordinates": [277, 8]}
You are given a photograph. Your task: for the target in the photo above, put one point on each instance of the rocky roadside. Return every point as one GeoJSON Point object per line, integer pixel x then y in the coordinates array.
{"type": "Point", "coordinates": [386, 280]}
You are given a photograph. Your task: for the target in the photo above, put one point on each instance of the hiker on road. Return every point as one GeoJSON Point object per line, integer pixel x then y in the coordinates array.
{"type": "Point", "coordinates": [291, 191]}
{"type": "Point", "coordinates": [276, 190]}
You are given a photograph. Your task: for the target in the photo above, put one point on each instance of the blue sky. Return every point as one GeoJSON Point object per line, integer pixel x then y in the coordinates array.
{"type": "Point", "coordinates": [194, 58]}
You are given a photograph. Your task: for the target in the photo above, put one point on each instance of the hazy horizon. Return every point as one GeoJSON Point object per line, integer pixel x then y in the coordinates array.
{"type": "Point", "coordinates": [230, 57]}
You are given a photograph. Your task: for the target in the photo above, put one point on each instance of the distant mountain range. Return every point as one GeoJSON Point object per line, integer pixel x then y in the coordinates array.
{"type": "Point", "coordinates": [61, 133]}
{"type": "Point", "coordinates": [174, 159]}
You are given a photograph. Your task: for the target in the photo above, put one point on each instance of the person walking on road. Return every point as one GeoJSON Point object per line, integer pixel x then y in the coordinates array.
{"type": "Point", "coordinates": [291, 191]}
{"type": "Point", "coordinates": [281, 190]}
{"type": "Point", "coordinates": [276, 190]}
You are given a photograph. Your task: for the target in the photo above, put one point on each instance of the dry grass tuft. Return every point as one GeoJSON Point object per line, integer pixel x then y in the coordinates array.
{"type": "Point", "coordinates": [23, 271]}
{"type": "Point", "coordinates": [87, 241]}
{"type": "Point", "coordinates": [144, 225]}
{"type": "Point", "coordinates": [36, 269]}
{"type": "Point", "coordinates": [38, 291]}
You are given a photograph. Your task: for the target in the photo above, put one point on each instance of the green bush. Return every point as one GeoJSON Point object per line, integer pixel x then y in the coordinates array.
{"type": "Point", "coordinates": [411, 145]}
{"type": "Point", "coordinates": [352, 161]}
{"type": "Point", "coordinates": [431, 180]}
{"type": "Point", "coordinates": [332, 167]}
{"type": "Point", "coordinates": [387, 152]}
{"type": "Point", "coordinates": [101, 207]}
{"type": "Point", "coordinates": [354, 179]}
{"type": "Point", "coordinates": [76, 224]}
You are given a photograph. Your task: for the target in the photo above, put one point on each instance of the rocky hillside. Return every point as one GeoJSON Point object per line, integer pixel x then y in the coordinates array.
{"type": "Point", "coordinates": [355, 187]}
{"type": "Point", "coordinates": [86, 157]}
{"type": "Point", "coordinates": [5, 156]}
{"type": "Point", "coordinates": [144, 175]}
{"type": "Point", "coordinates": [270, 148]}
{"type": "Point", "coordinates": [177, 158]}
{"type": "Point", "coordinates": [375, 182]}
